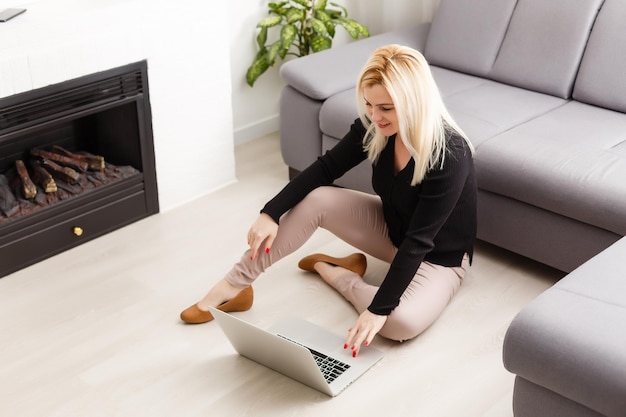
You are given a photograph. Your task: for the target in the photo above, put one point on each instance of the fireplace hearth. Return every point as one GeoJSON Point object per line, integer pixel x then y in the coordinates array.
{"type": "Point", "coordinates": [105, 114]}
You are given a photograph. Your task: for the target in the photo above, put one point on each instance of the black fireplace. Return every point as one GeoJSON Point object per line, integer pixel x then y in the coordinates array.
{"type": "Point", "coordinates": [106, 114]}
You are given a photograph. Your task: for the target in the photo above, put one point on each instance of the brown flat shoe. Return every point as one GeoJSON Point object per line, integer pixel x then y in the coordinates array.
{"type": "Point", "coordinates": [357, 262]}
{"type": "Point", "coordinates": [241, 302]}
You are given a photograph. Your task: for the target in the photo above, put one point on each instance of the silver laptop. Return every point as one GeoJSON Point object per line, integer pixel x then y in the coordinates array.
{"type": "Point", "coordinates": [300, 350]}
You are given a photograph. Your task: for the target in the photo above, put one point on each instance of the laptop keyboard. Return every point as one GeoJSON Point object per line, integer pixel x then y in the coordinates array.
{"type": "Point", "coordinates": [331, 368]}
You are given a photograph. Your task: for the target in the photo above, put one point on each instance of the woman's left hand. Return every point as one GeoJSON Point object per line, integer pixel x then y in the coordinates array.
{"type": "Point", "coordinates": [366, 327]}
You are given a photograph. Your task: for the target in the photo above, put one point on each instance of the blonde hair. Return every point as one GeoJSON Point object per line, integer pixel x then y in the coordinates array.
{"type": "Point", "coordinates": [422, 116]}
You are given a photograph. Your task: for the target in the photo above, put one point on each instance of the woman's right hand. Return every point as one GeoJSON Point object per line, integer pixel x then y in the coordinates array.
{"type": "Point", "coordinates": [264, 229]}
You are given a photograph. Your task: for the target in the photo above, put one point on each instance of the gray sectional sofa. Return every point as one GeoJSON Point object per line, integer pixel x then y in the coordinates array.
{"type": "Point", "coordinates": [539, 86]}
{"type": "Point", "coordinates": [567, 348]}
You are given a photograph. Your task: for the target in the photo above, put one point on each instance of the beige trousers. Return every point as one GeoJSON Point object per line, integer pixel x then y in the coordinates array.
{"type": "Point", "coordinates": [357, 219]}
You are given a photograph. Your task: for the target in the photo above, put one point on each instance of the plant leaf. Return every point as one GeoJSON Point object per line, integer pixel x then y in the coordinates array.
{"type": "Point", "coordinates": [293, 15]}
{"type": "Point", "coordinates": [331, 28]}
{"type": "Point", "coordinates": [262, 37]}
{"type": "Point", "coordinates": [270, 21]}
{"type": "Point", "coordinates": [344, 10]}
{"type": "Point", "coordinates": [287, 37]}
{"type": "Point", "coordinates": [333, 14]}
{"type": "Point", "coordinates": [320, 5]}
{"type": "Point", "coordinates": [273, 52]}
{"type": "Point", "coordinates": [318, 27]}
{"type": "Point", "coordinates": [348, 26]}
{"type": "Point", "coordinates": [363, 30]}
{"type": "Point", "coordinates": [319, 43]}
{"type": "Point", "coordinates": [258, 67]}
{"type": "Point", "coordinates": [322, 15]}
{"type": "Point", "coordinates": [303, 3]}
{"type": "Point", "coordinates": [275, 6]}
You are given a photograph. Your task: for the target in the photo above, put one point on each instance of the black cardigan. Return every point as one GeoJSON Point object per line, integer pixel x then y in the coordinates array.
{"type": "Point", "coordinates": [434, 220]}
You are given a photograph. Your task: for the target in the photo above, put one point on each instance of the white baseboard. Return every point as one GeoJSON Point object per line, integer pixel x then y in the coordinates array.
{"type": "Point", "coordinates": [255, 130]}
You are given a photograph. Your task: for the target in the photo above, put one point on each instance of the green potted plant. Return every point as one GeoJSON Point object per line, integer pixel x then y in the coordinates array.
{"type": "Point", "coordinates": [305, 26]}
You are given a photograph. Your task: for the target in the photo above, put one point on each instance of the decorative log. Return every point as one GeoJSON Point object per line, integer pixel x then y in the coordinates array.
{"type": "Point", "coordinates": [43, 177]}
{"type": "Point", "coordinates": [27, 186]}
{"type": "Point", "coordinates": [66, 174]}
{"type": "Point", "coordinates": [61, 159]}
{"type": "Point", "coordinates": [8, 203]}
{"type": "Point", "coordinates": [94, 162]}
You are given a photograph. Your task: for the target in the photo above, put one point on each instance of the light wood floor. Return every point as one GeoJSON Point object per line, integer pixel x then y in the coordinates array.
{"type": "Point", "coordinates": [95, 330]}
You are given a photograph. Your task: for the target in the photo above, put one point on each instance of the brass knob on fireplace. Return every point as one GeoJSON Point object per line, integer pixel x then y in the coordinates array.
{"type": "Point", "coordinates": [78, 231]}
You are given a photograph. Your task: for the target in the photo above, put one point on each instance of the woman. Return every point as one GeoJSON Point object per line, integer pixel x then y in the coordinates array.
{"type": "Point", "coordinates": [422, 220]}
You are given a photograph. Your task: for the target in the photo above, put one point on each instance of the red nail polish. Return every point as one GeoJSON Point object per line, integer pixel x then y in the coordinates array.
{"type": "Point", "coordinates": [267, 250]}
{"type": "Point", "coordinates": [367, 343]}
{"type": "Point", "coordinates": [345, 346]}
{"type": "Point", "coordinates": [354, 354]}
{"type": "Point", "coordinates": [353, 347]}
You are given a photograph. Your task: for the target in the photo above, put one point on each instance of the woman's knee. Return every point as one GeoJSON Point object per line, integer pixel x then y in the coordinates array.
{"type": "Point", "coordinates": [320, 198]}
{"type": "Point", "coordinates": [400, 328]}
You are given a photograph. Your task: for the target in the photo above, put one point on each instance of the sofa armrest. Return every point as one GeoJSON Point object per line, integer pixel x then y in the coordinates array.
{"type": "Point", "coordinates": [326, 73]}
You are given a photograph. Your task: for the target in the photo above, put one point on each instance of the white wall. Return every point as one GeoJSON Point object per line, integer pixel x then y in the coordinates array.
{"type": "Point", "coordinates": [255, 110]}
{"type": "Point", "coordinates": [188, 70]}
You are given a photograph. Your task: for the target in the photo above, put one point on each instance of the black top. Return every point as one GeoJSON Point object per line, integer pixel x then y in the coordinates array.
{"type": "Point", "coordinates": [434, 220]}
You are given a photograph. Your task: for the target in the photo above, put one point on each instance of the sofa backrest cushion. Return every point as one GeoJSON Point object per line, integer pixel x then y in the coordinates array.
{"type": "Point", "coordinates": [466, 35]}
{"type": "Point", "coordinates": [544, 44]}
{"type": "Point", "coordinates": [602, 77]}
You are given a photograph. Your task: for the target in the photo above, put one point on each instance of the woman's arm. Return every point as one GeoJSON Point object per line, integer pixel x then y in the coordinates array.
{"type": "Point", "coordinates": [333, 164]}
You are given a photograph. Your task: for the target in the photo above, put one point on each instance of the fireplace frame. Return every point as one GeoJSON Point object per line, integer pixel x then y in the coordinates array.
{"type": "Point", "coordinates": [109, 114]}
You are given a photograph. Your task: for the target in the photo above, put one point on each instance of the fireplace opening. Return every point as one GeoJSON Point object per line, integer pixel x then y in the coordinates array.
{"type": "Point", "coordinates": [105, 115]}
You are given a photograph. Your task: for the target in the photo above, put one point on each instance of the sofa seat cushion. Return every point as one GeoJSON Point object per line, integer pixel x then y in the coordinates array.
{"type": "Point", "coordinates": [485, 108]}
{"type": "Point", "coordinates": [571, 161]}
{"type": "Point", "coordinates": [570, 339]}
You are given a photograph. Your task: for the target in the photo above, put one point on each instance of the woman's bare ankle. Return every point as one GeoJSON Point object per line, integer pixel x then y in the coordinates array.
{"type": "Point", "coordinates": [221, 292]}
